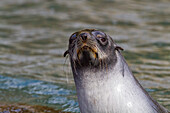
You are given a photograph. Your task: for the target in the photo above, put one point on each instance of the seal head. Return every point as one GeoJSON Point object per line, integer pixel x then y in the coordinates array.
{"type": "Point", "coordinates": [91, 47]}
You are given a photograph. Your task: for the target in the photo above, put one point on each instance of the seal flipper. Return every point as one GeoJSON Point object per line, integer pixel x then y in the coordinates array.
{"type": "Point", "coordinates": [65, 53]}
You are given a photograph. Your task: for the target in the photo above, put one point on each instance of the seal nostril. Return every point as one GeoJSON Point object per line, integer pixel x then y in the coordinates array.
{"type": "Point", "coordinates": [83, 36]}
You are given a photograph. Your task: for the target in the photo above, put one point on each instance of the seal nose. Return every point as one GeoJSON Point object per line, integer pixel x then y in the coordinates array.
{"type": "Point", "coordinates": [83, 36]}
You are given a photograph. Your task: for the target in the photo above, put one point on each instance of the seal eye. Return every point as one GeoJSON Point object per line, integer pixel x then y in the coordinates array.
{"type": "Point", "coordinates": [103, 40]}
{"type": "Point", "coordinates": [73, 37]}
{"type": "Point", "coordinates": [101, 37]}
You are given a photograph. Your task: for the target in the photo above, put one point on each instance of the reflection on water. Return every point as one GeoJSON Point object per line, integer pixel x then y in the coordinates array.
{"type": "Point", "coordinates": [34, 35]}
{"type": "Point", "coordinates": [38, 92]}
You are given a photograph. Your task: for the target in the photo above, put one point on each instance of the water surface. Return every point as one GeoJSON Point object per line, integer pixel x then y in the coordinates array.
{"type": "Point", "coordinates": [34, 35]}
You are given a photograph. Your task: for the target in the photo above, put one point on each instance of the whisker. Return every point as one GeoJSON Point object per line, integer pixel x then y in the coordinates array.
{"type": "Point", "coordinates": [64, 69]}
{"type": "Point", "coordinates": [100, 61]}
{"type": "Point", "coordinates": [103, 64]}
{"type": "Point", "coordinates": [74, 65]}
{"type": "Point", "coordinates": [78, 60]}
{"type": "Point", "coordinates": [107, 65]}
{"type": "Point", "coordinates": [69, 69]}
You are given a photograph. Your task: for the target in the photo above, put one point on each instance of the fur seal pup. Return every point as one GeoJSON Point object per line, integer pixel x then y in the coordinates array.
{"type": "Point", "coordinates": [103, 80]}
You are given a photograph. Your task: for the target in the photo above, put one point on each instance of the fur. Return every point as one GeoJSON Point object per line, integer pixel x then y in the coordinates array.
{"type": "Point", "coordinates": [114, 92]}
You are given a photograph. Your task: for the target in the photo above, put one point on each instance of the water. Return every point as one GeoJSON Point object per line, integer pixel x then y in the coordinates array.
{"type": "Point", "coordinates": [34, 35]}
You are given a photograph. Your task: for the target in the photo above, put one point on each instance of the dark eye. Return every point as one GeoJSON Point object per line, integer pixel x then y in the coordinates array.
{"type": "Point", "coordinates": [73, 37]}
{"type": "Point", "coordinates": [101, 37]}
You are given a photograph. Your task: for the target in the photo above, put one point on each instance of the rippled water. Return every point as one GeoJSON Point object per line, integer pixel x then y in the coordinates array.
{"type": "Point", "coordinates": [34, 35]}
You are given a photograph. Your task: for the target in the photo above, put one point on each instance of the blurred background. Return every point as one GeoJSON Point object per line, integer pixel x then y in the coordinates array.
{"type": "Point", "coordinates": [34, 35]}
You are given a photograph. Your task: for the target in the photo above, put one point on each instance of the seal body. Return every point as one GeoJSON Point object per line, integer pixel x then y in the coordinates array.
{"type": "Point", "coordinates": [103, 80]}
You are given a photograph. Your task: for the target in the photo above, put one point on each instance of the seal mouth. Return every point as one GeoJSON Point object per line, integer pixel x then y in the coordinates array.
{"type": "Point", "coordinates": [87, 52]}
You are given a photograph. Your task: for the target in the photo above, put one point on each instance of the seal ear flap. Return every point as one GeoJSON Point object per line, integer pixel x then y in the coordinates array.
{"type": "Point", "coordinates": [116, 46]}
{"type": "Point", "coordinates": [119, 48]}
{"type": "Point", "coordinates": [65, 53]}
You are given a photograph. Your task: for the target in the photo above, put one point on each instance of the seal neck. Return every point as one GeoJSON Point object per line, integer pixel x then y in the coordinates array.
{"type": "Point", "coordinates": [106, 70]}
{"type": "Point", "coordinates": [115, 91]}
